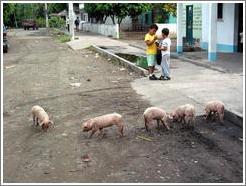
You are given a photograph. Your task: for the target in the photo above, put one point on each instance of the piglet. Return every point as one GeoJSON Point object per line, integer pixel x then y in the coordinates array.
{"type": "Point", "coordinates": [215, 108]}
{"type": "Point", "coordinates": [40, 117]}
{"type": "Point", "coordinates": [158, 114]}
{"type": "Point", "coordinates": [100, 122]}
{"type": "Point", "coordinates": [185, 114]}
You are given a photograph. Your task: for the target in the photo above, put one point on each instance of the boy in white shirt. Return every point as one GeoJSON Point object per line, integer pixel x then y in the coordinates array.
{"type": "Point", "coordinates": [165, 51]}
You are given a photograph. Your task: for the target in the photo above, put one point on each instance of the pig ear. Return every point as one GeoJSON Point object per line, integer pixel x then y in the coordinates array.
{"type": "Point", "coordinates": [51, 122]}
{"type": "Point", "coordinates": [41, 123]}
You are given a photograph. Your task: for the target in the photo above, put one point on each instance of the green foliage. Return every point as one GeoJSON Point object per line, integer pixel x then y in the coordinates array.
{"type": "Point", "coordinates": [170, 8]}
{"type": "Point", "coordinates": [56, 22]}
{"type": "Point", "coordinates": [56, 7]}
{"type": "Point", "coordinates": [14, 13]}
{"type": "Point", "coordinates": [135, 9]}
{"type": "Point", "coordinates": [163, 10]}
{"type": "Point", "coordinates": [101, 11]}
{"type": "Point", "coordinates": [63, 38]}
{"type": "Point", "coordinates": [60, 36]}
{"type": "Point", "coordinates": [41, 22]}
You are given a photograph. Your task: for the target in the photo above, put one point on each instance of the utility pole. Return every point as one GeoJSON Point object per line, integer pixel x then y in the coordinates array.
{"type": "Point", "coordinates": [71, 21]}
{"type": "Point", "coordinates": [46, 15]}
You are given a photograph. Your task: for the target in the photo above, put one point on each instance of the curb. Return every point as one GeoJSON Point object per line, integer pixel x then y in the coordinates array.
{"type": "Point", "coordinates": [177, 56]}
{"type": "Point", "coordinates": [121, 61]}
{"type": "Point", "coordinates": [234, 117]}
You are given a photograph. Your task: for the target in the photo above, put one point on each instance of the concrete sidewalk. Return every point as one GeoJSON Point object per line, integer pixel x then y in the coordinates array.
{"type": "Point", "coordinates": [191, 83]}
{"type": "Point", "coordinates": [87, 39]}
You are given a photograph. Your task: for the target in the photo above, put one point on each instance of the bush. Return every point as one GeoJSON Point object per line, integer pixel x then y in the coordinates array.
{"type": "Point", "coordinates": [41, 22]}
{"type": "Point", "coordinates": [56, 22]}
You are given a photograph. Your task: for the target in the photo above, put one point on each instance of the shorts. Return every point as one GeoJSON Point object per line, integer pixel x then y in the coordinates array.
{"type": "Point", "coordinates": [151, 59]}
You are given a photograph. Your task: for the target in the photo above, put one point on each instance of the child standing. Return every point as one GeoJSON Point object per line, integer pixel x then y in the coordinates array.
{"type": "Point", "coordinates": [165, 52]}
{"type": "Point", "coordinates": [151, 50]}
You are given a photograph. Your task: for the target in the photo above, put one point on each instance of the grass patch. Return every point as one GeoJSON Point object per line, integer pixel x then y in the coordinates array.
{"type": "Point", "coordinates": [63, 38]}
{"type": "Point", "coordinates": [60, 36]}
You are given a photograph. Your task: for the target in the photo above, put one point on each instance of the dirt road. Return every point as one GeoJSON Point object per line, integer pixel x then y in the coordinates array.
{"type": "Point", "coordinates": [39, 70]}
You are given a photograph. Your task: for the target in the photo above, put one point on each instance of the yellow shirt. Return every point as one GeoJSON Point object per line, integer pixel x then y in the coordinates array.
{"type": "Point", "coordinates": [151, 49]}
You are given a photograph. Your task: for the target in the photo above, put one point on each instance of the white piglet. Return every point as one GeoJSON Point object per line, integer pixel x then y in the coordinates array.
{"type": "Point", "coordinates": [190, 114]}
{"type": "Point", "coordinates": [215, 108]}
{"type": "Point", "coordinates": [40, 117]}
{"type": "Point", "coordinates": [185, 114]}
{"type": "Point", "coordinates": [155, 113]}
{"type": "Point", "coordinates": [100, 122]}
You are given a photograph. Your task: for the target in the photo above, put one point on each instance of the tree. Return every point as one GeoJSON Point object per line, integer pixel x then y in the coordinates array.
{"type": "Point", "coordinates": [116, 11]}
{"type": "Point", "coordinates": [56, 7]}
{"type": "Point", "coordinates": [162, 11]}
{"type": "Point", "coordinates": [137, 9]}
{"type": "Point", "coordinates": [14, 13]}
{"type": "Point", "coordinates": [170, 7]}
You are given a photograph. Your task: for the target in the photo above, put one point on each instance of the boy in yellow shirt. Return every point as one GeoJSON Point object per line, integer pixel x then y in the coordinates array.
{"type": "Point", "coordinates": [151, 50]}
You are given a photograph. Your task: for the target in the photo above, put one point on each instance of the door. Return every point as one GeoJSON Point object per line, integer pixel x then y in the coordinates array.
{"type": "Point", "coordinates": [240, 27]}
{"type": "Point", "coordinates": [189, 24]}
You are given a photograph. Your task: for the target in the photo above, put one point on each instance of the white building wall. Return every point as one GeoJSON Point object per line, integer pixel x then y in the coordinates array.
{"type": "Point", "coordinates": [225, 28]}
{"type": "Point", "coordinates": [205, 11]}
{"type": "Point", "coordinates": [125, 24]}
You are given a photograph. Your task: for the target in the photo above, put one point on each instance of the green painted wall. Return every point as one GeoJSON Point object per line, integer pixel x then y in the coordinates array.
{"type": "Point", "coordinates": [197, 20]}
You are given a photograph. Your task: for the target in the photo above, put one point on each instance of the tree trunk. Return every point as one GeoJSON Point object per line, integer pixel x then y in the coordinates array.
{"type": "Point", "coordinates": [104, 19]}
{"type": "Point", "coordinates": [119, 21]}
{"type": "Point", "coordinates": [112, 17]}
{"type": "Point", "coordinates": [15, 21]}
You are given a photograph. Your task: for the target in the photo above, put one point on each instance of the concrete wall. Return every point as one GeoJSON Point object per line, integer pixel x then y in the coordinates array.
{"type": "Point", "coordinates": [226, 27]}
{"type": "Point", "coordinates": [103, 29]}
{"type": "Point", "coordinates": [126, 23]}
{"type": "Point", "coordinates": [171, 26]}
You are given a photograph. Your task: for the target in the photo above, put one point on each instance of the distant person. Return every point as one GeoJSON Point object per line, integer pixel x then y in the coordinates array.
{"type": "Point", "coordinates": [165, 52]}
{"type": "Point", "coordinates": [77, 24]}
{"type": "Point", "coordinates": [151, 50]}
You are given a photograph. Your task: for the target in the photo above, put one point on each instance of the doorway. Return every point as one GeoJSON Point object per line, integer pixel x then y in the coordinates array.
{"type": "Point", "coordinates": [240, 27]}
{"type": "Point", "coordinates": [189, 24]}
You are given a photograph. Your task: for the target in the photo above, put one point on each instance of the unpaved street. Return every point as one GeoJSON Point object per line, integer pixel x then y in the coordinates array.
{"type": "Point", "coordinates": [39, 71]}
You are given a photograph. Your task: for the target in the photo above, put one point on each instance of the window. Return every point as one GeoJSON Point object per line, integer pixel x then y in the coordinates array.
{"type": "Point", "coordinates": [220, 11]}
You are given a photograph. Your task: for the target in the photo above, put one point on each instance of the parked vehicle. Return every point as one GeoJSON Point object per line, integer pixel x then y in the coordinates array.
{"type": "Point", "coordinates": [5, 41]}
{"type": "Point", "coordinates": [29, 23]}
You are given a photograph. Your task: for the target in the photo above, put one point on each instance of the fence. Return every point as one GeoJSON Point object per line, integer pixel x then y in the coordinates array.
{"type": "Point", "coordinates": [103, 29]}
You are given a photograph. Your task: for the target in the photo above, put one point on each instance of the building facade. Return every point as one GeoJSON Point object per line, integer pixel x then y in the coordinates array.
{"type": "Point", "coordinates": [217, 26]}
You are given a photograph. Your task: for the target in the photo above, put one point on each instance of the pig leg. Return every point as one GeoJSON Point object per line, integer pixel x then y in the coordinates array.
{"type": "Point", "coordinates": [146, 122]}
{"type": "Point", "coordinates": [207, 115]}
{"type": "Point", "coordinates": [120, 130]}
{"type": "Point", "coordinates": [165, 124]}
{"type": "Point", "coordinates": [221, 115]}
{"type": "Point", "coordinates": [158, 124]}
{"type": "Point", "coordinates": [37, 121]}
{"type": "Point", "coordinates": [33, 118]}
{"type": "Point", "coordinates": [93, 131]}
{"type": "Point", "coordinates": [101, 133]}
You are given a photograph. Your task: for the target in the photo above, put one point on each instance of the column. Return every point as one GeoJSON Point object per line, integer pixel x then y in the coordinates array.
{"type": "Point", "coordinates": [212, 32]}
{"type": "Point", "coordinates": [71, 21]}
{"type": "Point", "coordinates": [46, 15]}
{"type": "Point", "coordinates": [179, 28]}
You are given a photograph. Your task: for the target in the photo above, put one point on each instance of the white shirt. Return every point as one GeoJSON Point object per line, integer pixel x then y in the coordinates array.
{"type": "Point", "coordinates": [166, 43]}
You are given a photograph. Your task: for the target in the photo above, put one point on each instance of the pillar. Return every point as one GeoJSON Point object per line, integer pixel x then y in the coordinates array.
{"type": "Point", "coordinates": [71, 21]}
{"type": "Point", "coordinates": [212, 32]}
{"type": "Point", "coordinates": [46, 15]}
{"type": "Point", "coordinates": [179, 28]}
